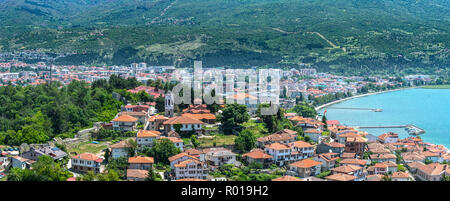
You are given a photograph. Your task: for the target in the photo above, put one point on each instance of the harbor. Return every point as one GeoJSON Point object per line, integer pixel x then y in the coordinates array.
{"type": "Point", "coordinates": [411, 129]}
{"type": "Point", "coordinates": [356, 108]}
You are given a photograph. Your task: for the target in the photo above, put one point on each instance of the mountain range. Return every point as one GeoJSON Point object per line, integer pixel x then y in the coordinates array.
{"type": "Point", "coordinates": [332, 35]}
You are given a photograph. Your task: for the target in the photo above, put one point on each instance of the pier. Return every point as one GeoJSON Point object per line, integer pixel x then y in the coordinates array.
{"type": "Point", "coordinates": [357, 108]}
{"type": "Point", "coordinates": [411, 129]}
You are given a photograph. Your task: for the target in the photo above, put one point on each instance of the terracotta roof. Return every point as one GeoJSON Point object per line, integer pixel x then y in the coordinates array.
{"type": "Point", "coordinates": [387, 135]}
{"type": "Point", "coordinates": [348, 155]}
{"type": "Point", "coordinates": [351, 134]}
{"type": "Point", "coordinates": [306, 163]}
{"type": "Point", "coordinates": [125, 118]}
{"type": "Point", "coordinates": [287, 178]}
{"type": "Point", "coordinates": [172, 139]}
{"type": "Point", "coordinates": [333, 122]}
{"type": "Point", "coordinates": [276, 137]}
{"type": "Point", "coordinates": [433, 168]}
{"type": "Point", "coordinates": [400, 175]}
{"type": "Point", "coordinates": [374, 177]}
{"type": "Point", "coordinates": [193, 152]}
{"type": "Point", "coordinates": [180, 155]}
{"type": "Point", "coordinates": [329, 156]}
{"type": "Point", "coordinates": [341, 177]}
{"type": "Point", "coordinates": [207, 116]}
{"type": "Point", "coordinates": [301, 144]}
{"type": "Point", "coordinates": [146, 133]}
{"type": "Point", "coordinates": [430, 154]}
{"type": "Point", "coordinates": [335, 145]}
{"type": "Point", "coordinates": [356, 139]}
{"type": "Point", "coordinates": [347, 168]}
{"type": "Point", "coordinates": [186, 162]}
{"type": "Point", "coordinates": [353, 161]}
{"type": "Point", "coordinates": [88, 157]}
{"type": "Point", "coordinates": [415, 164]}
{"type": "Point", "coordinates": [134, 114]}
{"type": "Point", "coordinates": [173, 133]}
{"type": "Point", "coordinates": [157, 117]}
{"type": "Point", "coordinates": [383, 156]}
{"type": "Point", "coordinates": [277, 146]}
{"type": "Point", "coordinates": [257, 154]}
{"type": "Point", "coordinates": [314, 131]}
{"type": "Point", "coordinates": [140, 159]}
{"type": "Point", "coordinates": [240, 96]}
{"type": "Point", "coordinates": [191, 179]}
{"type": "Point", "coordinates": [121, 144]}
{"type": "Point", "coordinates": [136, 173]}
{"type": "Point", "coordinates": [182, 120]}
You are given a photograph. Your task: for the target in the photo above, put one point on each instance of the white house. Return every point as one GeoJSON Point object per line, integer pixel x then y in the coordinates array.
{"type": "Point", "coordinates": [87, 162]}
{"type": "Point", "coordinates": [191, 168]}
{"type": "Point", "coordinates": [120, 149]}
{"type": "Point", "coordinates": [219, 156]}
{"type": "Point", "coordinates": [187, 124]}
{"type": "Point", "coordinates": [22, 163]}
{"type": "Point", "coordinates": [178, 142]}
{"type": "Point", "coordinates": [124, 123]}
{"type": "Point", "coordinates": [145, 138]}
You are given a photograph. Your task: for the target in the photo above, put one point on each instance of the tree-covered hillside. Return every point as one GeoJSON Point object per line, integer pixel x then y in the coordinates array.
{"type": "Point", "coordinates": [342, 36]}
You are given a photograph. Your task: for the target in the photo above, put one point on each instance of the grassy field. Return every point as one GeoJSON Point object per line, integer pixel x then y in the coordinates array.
{"type": "Point", "coordinates": [219, 139]}
{"type": "Point", "coordinates": [88, 147]}
{"type": "Point", "coordinates": [258, 128]}
{"type": "Point", "coordinates": [437, 87]}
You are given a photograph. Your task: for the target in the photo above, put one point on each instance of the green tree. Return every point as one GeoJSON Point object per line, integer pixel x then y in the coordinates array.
{"type": "Point", "coordinates": [160, 104]}
{"type": "Point", "coordinates": [305, 110]}
{"type": "Point", "coordinates": [119, 165]}
{"type": "Point", "coordinates": [162, 150]}
{"type": "Point", "coordinates": [245, 141]}
{"type": "Point", "coordinates": [107, 154]}
{"type": "Point", "coordinates": [44, 169]}
{"type": "Point", "coordinates": [131, 147]}
{"type": "Point", "coordinates": [195, 141]}
{"type": "Point", "coordinates": [232, 116]}
{"type": "Point", "coordinates": [153, 176]}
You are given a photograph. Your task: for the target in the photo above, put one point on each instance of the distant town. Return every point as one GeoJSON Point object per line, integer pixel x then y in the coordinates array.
{"type": "Point", "coordinates": [151, 138]}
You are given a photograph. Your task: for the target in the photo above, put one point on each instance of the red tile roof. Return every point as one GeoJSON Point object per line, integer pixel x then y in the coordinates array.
{"type": "Point", "coordinates": [306, 163]}
{"type": "Point", "coordinates": [182, 120]}
{"type": "Point", "coordinates": [125, 118]}
{"type": "Point", "coordinates": [146, 134]}
{"type": "Point", "coordinates": [88, 157]}
{"type": "Point", "coordinates": [287, 178]}
{"type": "Point", "coordinates": [140, 159]}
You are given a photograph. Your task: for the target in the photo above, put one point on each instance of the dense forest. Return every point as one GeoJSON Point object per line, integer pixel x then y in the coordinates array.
{"type": "Point", "coordinates": [357, 36]}
{"type": "Point", "coordinates": [36, 114]}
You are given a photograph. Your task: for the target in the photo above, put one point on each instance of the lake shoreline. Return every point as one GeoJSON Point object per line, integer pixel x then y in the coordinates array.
{"type": "Point", "coordinates": [358, 96]}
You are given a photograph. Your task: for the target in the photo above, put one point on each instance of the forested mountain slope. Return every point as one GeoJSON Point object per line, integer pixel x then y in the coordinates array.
{"type": "Point", "coordinates": [353, 35]}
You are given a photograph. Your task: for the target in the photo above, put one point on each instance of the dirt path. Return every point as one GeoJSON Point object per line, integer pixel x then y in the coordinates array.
{"type": "Point", "coordinates": [163, 12]}
{"type": "Point", "coordinates": [316, 33]}
{"type": "Point", "coordinates": [325, 39]}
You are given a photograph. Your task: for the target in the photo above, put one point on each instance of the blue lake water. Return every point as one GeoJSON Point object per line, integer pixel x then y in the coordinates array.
{"type": "Point", "coordinates": [428, 109]}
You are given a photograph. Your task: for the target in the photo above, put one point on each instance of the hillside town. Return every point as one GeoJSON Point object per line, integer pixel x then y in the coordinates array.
{"type": "Point", "coordinates": [147, 142]}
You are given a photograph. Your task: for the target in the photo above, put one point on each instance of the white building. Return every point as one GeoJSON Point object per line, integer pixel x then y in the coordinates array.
{"type": "Point", "coordinates": [120, 149]}
{"type": "Point", "coordinates": [191, 168]}
{"type": "Point", "coordinates": [87, 162]}
{"type": "Point", "coordinates": [145, 138]}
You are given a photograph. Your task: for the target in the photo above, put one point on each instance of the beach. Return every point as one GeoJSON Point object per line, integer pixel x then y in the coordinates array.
{"type": "Point", "coordinates": [357, 96]}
